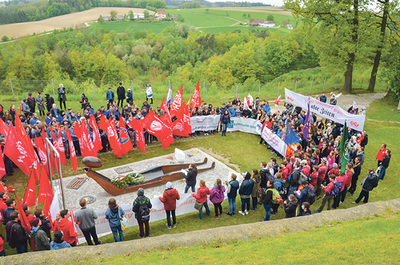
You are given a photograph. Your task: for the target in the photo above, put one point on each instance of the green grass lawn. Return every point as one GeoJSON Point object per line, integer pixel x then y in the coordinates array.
{"type": "Point", "coordinates": [124, 26]}
{"type": "Point", "coordinates": [361, 241]}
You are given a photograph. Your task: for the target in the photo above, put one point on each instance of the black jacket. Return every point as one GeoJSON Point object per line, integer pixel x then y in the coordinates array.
{"type": "Point", "coordinates": [364, 142]}
{"type": "Point", "coordinates": [294, 180]}
{"type": "Point", "coordinates": [18, 235]}
{"type": "Point", "coordinates": [290, 209]}
{"type": "Point", "coordinates": [140, 201]}
{"type": "Point", "coordinates": [265, 176]}
{"type": "Point", "coordinates": [370, 182]}
{"type": "Point", "coordinates": [121, 92]}
{"type": "Point", "coordinates": [31, 103]}
{"type": "Point", "coordinates": [386, 161]}
{"type": "Point", "coordinates": [190, 177]}
{"type": "Point", "coordinates": [246, 113]}
{"type": "Point", "coordinates": [266, 197]}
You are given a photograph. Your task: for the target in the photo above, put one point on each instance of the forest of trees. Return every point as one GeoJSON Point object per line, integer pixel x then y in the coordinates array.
{"type": "Point", "coordinates": [15, 12]}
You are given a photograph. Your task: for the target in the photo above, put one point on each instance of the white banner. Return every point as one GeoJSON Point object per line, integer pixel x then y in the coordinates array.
{"type": "Point", "coordinates": [247, 125]}
{"type": "Point", "coordinates": [332, 112]}
{"type": "Point", "coordinates": [274, 141]}
{"type": "Point", "coordinates": [204, 123]}
{"type": "Point", "coordinates": [183, 206]}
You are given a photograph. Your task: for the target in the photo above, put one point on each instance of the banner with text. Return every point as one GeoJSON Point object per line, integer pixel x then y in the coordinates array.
{"type": "Point", "coordinates": [274, 141]}
{"type": "Point", "coordinates": [332, 112]}
{"type": "Point", "coordinates": [245, 125]}
{"type": "Point", "coordinates": [204, 123]}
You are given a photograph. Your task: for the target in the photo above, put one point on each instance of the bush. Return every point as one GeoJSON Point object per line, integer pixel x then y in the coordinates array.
{"type": "Point", "coordinates": [4, 38]}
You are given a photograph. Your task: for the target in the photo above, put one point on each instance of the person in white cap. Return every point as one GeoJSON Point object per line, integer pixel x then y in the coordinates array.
{"type": "Point", "coordinates": [169, 198]}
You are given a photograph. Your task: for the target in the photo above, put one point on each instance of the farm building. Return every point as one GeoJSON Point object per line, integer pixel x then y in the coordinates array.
{"type": "Point", "coordinates": [160, 14]}
{"type": "Point", "coordinates": [138, 15]}
{"type": "Point", "coordinates": [263, 23]}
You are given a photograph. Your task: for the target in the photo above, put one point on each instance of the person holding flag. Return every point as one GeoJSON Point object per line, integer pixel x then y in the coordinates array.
{"type": "Point", "coordinates": [67, 227]}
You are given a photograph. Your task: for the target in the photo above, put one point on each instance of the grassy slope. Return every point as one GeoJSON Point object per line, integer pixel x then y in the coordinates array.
{"type": "Point", "coordinates": [361, 241]}
{"type": "Point", "coordinates": [242, 149]}
{"type": "Point", "coordinates": [124, 26]}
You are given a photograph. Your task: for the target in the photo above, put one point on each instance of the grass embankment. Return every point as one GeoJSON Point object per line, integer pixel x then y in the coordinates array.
{"type": "Point", "coordinates": [362, 241]}
{"type": "Point", "coordinates": [131, 26]}
{"type": "Point", "coordinates": [243, 150]}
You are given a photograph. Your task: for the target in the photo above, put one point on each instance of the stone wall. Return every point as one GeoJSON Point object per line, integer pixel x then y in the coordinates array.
{"type": "Point", "coordinates": [221, 234]}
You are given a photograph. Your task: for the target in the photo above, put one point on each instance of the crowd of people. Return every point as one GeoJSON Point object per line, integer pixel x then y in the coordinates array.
{"type": "Point", "coordinates": [311, 173]}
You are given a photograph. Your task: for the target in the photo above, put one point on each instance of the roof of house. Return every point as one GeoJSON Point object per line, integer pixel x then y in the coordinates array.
{"type": "Point", "coordinates": [261, 21]}
{"type": "Point", "coordinates": [161, 12]}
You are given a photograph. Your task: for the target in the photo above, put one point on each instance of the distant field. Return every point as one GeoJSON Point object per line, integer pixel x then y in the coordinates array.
{"type": "Point", "coordinates": [123, 26]}
{"type": "Point", "coordinates": [19, 30]}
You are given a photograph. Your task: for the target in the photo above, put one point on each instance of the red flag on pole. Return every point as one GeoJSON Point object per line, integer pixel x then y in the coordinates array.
{"type": "Point", "coordinates": [3, 128]}
{"type": "Point", "coordinates": [278, 101]}
{"type": "Point", "coordinates": [18, 152]}
{"type": "Point", "coordinates": [85, 143]}
{"type": "Point", "coordinates": [51, 158]}
{"type": "Point", "coordinates": [137, 125]}
{"type": "Point", "coordinates": [30, 193]}
{"type": "Point", "coordinates": [177, 102]}
{"type": "Point", "coordinates": [155, 126]}
{"type": "Point", "coordinates": [182, 125]}
{"type": "Point", "coordinates": [60, 147]}
{"type": "Point", "coordinates": [96, 134]}
{"type": "Point", "coordinates": [105, 125]}
{"type": "Point", "coordinates": [2, 166]}
{"type": "Point", "coordinates": [195, 100]}
{"type": "Point", "coordinates": [72, 151]}
{"type": "Point", "coordinates": [125, 140]}
{"type": "Point", "coordinates": [166, 117]}
{"type": "Point", "coordinates": [42, 154]}
{"type": "Point", "coordinates": [45, 191]}
{"type": "Point", "coordinates": [22, 216]}
{"type": "Point", "coordinates": [54, 160]}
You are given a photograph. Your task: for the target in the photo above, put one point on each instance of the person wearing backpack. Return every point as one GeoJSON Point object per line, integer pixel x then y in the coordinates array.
{"type": "Point", "coordinates": [266, 199]}
{"type": "Point", "coordinates": [291, 206]}
{"type": "Point", "coordinates": [217, 197]}
{"type": "Point", "coordinates": [141, 207]}
{"type": "Point", "coordinates": [329, 194]}
{"type": "Point", "coordinates": [368, 184]}
{"type": "Point", "coordinates": [169, 198]}
{"type": "Point", "coordinates": [342, 179]}
{"type": "Point", "coordinates": [233, 186]}
{"type": "Point", "coordinates": [307, 194]}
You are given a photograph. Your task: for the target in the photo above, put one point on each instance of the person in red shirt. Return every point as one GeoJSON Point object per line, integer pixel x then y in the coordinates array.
{"type": "Point", "coordinates": [347, 184]}
{"type": "Point", "coordinates": [305, 168]}
{"type": "Point", "coordinates": [67, 227]}
{"type": "Point", "coordinates": [327, 197]}
{"type": "Point", "coordinates": [201, 197]}
{"type": "Point", "coordinates": [322, 170]}
{"type": "Point", "coordinates": [2, 252]}
{"type": "Point", "coordinates": [284, 171]}
{"type": "Point", "coordinates": [334, 170]}
{"type": "Point", "coordinates": [314, 176]}
{"type": "Point", "coordinates": [169, 198]}
{"type": "Point", "coordinates": [381, 154]}
{"type": "Point", "coordinates": [3, 205]}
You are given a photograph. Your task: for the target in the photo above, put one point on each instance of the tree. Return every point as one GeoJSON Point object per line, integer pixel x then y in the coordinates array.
{"type": "Point", "coordinates": [113, 14]}
{"type": "Point", "coordinates": [130, 15]}
{"type": "Point", "coordinates": [146, 14]}
{"type": "Point", "coordinates": [270, 17]}
{"type": "Point", "coordinates": [4, 38]}
{"type": "Point", "coordinates": [100, 19]}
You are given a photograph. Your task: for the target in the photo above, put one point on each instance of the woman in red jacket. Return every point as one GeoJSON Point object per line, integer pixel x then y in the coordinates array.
{"type": "Point", "coordinates": [201, 197]}
{"type": "Point", "coordinates": [169, 198]}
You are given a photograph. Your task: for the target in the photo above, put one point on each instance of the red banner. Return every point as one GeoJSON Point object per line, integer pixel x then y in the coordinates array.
{"type": "Point", "coordinates": [137, 125]}
{"type": "Point", "coordinates": [42, 154]}
{"type": "Point", "coordinates": [85, 143]}
{"type": "Point", "coordinates": [177, 101]}
{"type": "Point", "coordinates": [30, 193]}
{"type": "Point", "coordinates": [72, 151]}
{"type": "Point", "coordinates": [195, 99]}
{"type": "Point", "coordinates": [112, 136]}
{"type": "Point", "coordinates": [2, 166]}
{"type": "Point", "coordinates": [125, 140]}
{"type": "Point", "coordinates": [155, 126]}
{"type": "Point", "coordinates": [96, 133]}
{"type": "Point", "coordinates": [182, 125]}
{"type": "Point", "coordinates": [60, 147]}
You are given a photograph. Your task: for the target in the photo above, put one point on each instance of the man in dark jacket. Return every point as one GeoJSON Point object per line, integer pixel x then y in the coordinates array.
{"type": "Point", "coordinates": [246, 112]}
{"type": "Point", "coordinates": [385, 164]}
{"type": "Point", "coordinates": [45, 222]}
{"type": "Point", "coordinates": [141, 207]}
{"type": "Point", "coordinates": [264, 174]}
{"type": "Point", "coordinates": [121, 95]}
{"type": "Point", "coordinates": [85, 218]}
{"type": "Point", "coordinates": [245, 191]}
{"type": "Point", "coordinates": [190, 177]}
{"type": "Point", "coordinates": [109, 97]}
{"type": "Point", "coordinates": [17, 234]}
{"type": "Point", "coordinates": [233, 187]}
{"type": "Point", "coordinates": [294, 179]}
{"type": "Point", "coordinates": [49, 101]}
{"type": "Point", "coordinates": [322, 98]}
{"type": "Point", "coordinates": [30, 100]}
{"type": "Point", "coordinates": [369, 183]}
{"type": "Point", "coordinates": [39, 236]}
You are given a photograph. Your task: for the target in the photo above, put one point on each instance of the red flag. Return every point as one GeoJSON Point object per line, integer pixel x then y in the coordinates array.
{"type": "Point", "coordinates": [3, 128]}
{"type": "Point", "coordinates": [54, 160]}
{"type": "Point", "coordinates": [45, 191]}
{"type": "Point", "coordinates": [155, 126]}
{"type": "Point", "coordinates": [96, 134]}
{"type": "Point", "coordinates": [22, 215]}
{"type": "Point", "coordinates": [71, 213]}
{"type": "Point", "coordinates": [2, 166]}
{"type": "Point", "coordinates": [278, 101]}
{"type": "Point", "coordinates": [18, 152]}
{"type": "Point", "coordinates": [42, 153]}
{"type": "Point", "coordinates": [85, 142]}
{"type": "Point", "coordinates": [166, 118]}
{"type": "Point", "coordinates": [72, 151]}
{"type": "Point", "coordinates": [60, 147]}
{"type": "Point", "coordinates": [115, 144]}
{"type": "Point", "coordinates": [182, 125]}
{"type": "Point", "coordinates": [125, 140]}
{"type": "Point", "coordinates": [30, 193]}
{"type": "Point", "coordinates": [177, 101]}
{"type": "Point", "coordinates": [195, 100]}
{"type": "Point", "coordinates": [137, 125]}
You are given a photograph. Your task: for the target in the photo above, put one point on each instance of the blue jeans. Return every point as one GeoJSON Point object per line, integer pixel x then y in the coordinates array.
{"type": "Point", "coordinates": [382, 173]}
{"type": "Point", "coordinates": [224, 127]}
{"type": "Point", "coordinates": [245, 202]}
{"type": "Point", "coordinates": [267, 208]}
{"type": "Point", "coordinates": [115, 231]}
{"type": "Point", "coordinates": [205, 205]}
{"type": "Point", "coordinates": [232, 205]}
{"type": "Point", "coordinates": [301, 211]}
{"type": "Point", "coordinates": [22, 248]}
{"type": "Point", "coordinates": [188, 187]}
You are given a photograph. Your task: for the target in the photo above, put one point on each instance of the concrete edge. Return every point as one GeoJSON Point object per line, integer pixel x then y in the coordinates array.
{"type": "Point", "coordinates": [214, 235]}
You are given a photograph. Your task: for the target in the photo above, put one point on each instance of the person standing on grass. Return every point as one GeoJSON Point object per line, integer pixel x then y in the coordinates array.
{"type": "Point", "coordinates": [291, 206]}
{"type": "Point", "coordinates": [17, 236]}
{"type": "Point", "coordinates": [40, 105]}
{"type": "Point", "coordinates": [149, 93]}
{"type": "Point", "coordinates": [114, 215]}
{"type": "Point", "coordinates": [39, 236]}
{"type": "Point", "coordinates": [109, 98]}
{"type": "Point", "coordinates": [45, 222]}
{"type": "Point", "coordinates": [121, 95]}
{"type": "Point", "coordinates": [245, 191]}
{"type": "Point", "coordinates": [381, 154]}
{"type": "Point", "coordinates": [67, 227]}
{"type": "Point", "coordinates": [141, 207]}
{"type": "Point", "coordinates": [190, 177]}
{"type": "Point", "coordinates": [217, 197]}
{"type": "Point", "coordinates": [85, 218]}
{"type": "Point", "coordinates": [225, 120]}
{"type": "Point", "coordinates": [9, 210]}
{"type": "Point", "coordinates": [169, 198]}
{"type": "Point", "coordinates": [201, 197]}
{"type": "Point", "coordinates": [385, 164]}
{"type": "Point", "coordinates": [256, 178]}
{"type": "Point", "coordinates": [61, 96]}
{"type": "Point", "coordinates": [233, 186]}
{"type": "Point", "coordinates": [328, 197]}
{"type": "Point", "coordinates": [368, 184]}
{"type": "Point", "coordinates": [266, 199]}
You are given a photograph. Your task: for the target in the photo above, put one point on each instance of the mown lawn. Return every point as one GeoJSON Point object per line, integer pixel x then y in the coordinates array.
{"type": "Point", "coordinates": [125, 26]}
{"type": "Point", "coordinates": [362, 241]}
